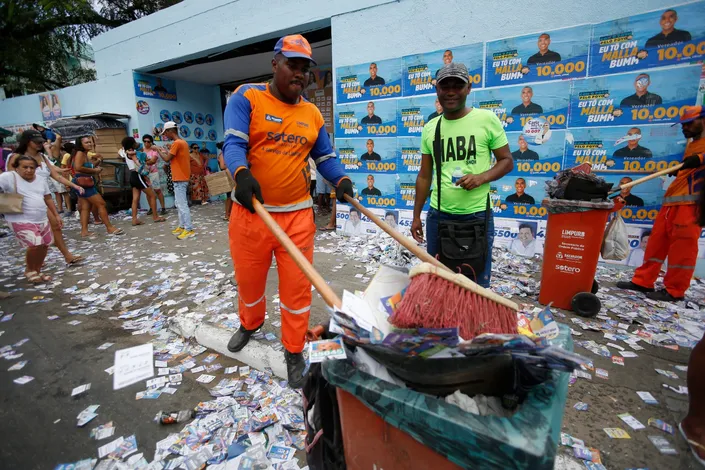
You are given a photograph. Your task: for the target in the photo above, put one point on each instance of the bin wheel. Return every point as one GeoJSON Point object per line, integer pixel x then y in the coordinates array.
{"type": "Point", "coordinates": [586, 304]}
{"type": "Point", "coordinates": [595, 286]}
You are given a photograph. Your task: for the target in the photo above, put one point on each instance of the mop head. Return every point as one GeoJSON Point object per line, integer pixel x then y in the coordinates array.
{"type": "Point", "coordinates": [440, 299]}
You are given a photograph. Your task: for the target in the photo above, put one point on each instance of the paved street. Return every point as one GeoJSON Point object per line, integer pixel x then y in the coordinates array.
{"type": "Point", "coordinates": [148, 266]}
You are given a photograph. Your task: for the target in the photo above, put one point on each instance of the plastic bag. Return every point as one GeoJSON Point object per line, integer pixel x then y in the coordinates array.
{"type": "Point", "coordinates": [615, 245]}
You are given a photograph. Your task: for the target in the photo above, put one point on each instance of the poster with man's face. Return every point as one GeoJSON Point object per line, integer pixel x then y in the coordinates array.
{"type": "Point", "coordinates": [519, 197]}
{"type": "Point", "coordinates": [377, 154]}
{"type": "Point", "coordinates": [414, 113]}
{"type": "Point", "coordinates": [368, 81]}
{"type": "Point", "coordinates": [536, 155]}
{"type": "Point", "coordinates": [370, 119]}
{"type": "Point", "coordinates": [419, 70]}
{"type": "Point", "coordinates": [642, 201]}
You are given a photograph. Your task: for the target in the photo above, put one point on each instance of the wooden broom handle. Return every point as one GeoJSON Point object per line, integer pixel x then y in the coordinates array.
{"type": "Point", "coordinates": [647, 178]}
{"type": "Point", "coordinates": [401, 239]}
{"type": "Point", "coordinates": [309, 271]}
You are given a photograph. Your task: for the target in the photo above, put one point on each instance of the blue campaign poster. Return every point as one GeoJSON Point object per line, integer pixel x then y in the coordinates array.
{"type": "Point", "coordinates": [536, 156]}
{"type": "Point", "coordinates": [533, 109]}
{"type": "Point", "coordinates": [545, 55]}
{"type": "Point", "coordinates": [409, 154]}
{"type": "Point", "coordinates": [188, 117]}
{"type": "Point", "coordinates": [643, 201]}
{"type": "Point", "coordinates": [375, 189]}
{"type": "Point", "coordinates": [148, 86]}
{"type": "Point", "coordinates": [519, 197]}
{"type": "Point", "coordinates": [662, 37]}
{"type": "Point", "coordinates": [374, 154]}
{"type": "Point", "coordinates": [406, 192]}
{"type": "Point", "coordinates": [374, 80]}
{"type": "Point", "coordinates": [414, 113]}
{"type": "Point", "coordinates": [643, 149]}
{"type": "Point", "coordinates": [419, 70]}
{"type": "Point", "coordinates": [634, 98]}
{"type": "Point", "coordinates": [370, 119]}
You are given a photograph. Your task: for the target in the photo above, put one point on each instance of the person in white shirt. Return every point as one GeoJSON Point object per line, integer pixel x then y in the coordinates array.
{"type": "Point", "coordinates": [353, 226]}
{"type": "Point", "coordinates": [31, 227]}
{"type": "Point", "coordinates": [525, 243]}
{"type": "Point", "coordinates": [636, 256]}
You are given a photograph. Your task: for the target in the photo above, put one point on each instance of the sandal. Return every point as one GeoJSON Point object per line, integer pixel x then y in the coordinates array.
{"type": "Point", "coordinates": [90, 235]}
{"type": "Point", "coordinates": [160, 219]}
{"type": "Point", "coordinates": [75, 260]}
{"type": "Point", "coordinates": [118, 231]}
{"type": "Point", "coordinates": [693, 445]}
{"type": "Point", "coordinates": [33, 277]}
{"type": "Point", "coordinates": [46, 278]}
{"type": "Point", "coordinates": [326, 229]}
{"type": "Point", "coordinates": [139, 222]}
{"type": "Point", "coordinates": [225, 217]}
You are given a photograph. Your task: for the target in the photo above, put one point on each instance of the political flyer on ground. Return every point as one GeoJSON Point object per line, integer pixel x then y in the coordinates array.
{"type": "Point", "coordinates": [545, 55]}
{"type": "Point", "coordinates": [532, 158]}
{"type": "Point", "coordinates": [519, 197]}
{"type": "Point", "coordinates": [375, 189]}
{"type": "Point", "coordinates": [350, 222]}
{"type": "Point", "coordinates": [419, 70]}
{"type": "Point", "coordinates": [643, 201]}
{"type": "Point", "coordinates": [638, 149]}
{"type": "Point", "coordinates": [409, 154]}
{"type": "Point", "coordinates": [534, 109]}
{"type": "Point", "coordinates": [374, 118]}
{"type": "Point", "coordinates": [406, 192]}
{"type": "Point", "coordinates": [634, 98]}
{"type": "Point", "coordinates": [377, 154]}
{"type": "Point", "coordinates": [148, 86]}
{"type": "Point", "coordinates": [661, 37]}
{"type": "Point", "coordinates": [521, 237]}
{"type": "Point", "coordinates": [414, 113]}
{"type": "Point", "coordinates": [373, 80]}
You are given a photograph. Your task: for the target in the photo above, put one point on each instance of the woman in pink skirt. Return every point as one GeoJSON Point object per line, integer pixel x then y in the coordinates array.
{"type": "Point", "coordinates": [31, 227]}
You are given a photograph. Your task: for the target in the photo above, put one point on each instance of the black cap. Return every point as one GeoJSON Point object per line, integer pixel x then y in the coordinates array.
{"type": "Point", "coordinates": [454, 69]}
{"type": "Point", "coordinates": [31, 135]}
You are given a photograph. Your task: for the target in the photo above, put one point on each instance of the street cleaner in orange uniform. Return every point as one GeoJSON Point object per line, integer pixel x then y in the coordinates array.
{"type": "Point", "coordinates": [676, 230]}
{"type": "Point", "coordinates": [270, 131]}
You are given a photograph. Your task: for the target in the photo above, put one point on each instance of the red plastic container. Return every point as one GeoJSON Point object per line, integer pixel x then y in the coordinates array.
{"type": "Point", "coordinates": [570, 255]}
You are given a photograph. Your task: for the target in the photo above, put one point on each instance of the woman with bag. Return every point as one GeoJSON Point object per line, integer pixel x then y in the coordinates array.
{"type": "Point", "coordinates": [139, 180]}
{"type": "Point", "coordinates": [31, 143]}
{"type": "Point", "coordinates": [155, 178]}
{"type": "Point", "coordinates": [199, 189]}
{"type": "Point", "coordinates": [89, 197]}
{"type": "Point", "coordinates": [26, 213]}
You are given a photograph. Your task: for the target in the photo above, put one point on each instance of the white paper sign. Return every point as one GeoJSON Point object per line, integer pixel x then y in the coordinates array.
{"type": "Point", "coordinates": [133, 365]}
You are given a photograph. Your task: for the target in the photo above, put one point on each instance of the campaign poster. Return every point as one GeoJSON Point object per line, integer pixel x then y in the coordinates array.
{"type": "Point", "coordinates": [369, 81]}
{"type": "Point", "coordinates": [409, 154]}
{"type": "Point", "coordinates": [373, 154]}
{"type": "Point", "coordinates": [414, 113]}
{"type": "Point", "coordinates": [50, 106]}
{"type": "Point", "coordinates": [631, 149]}
{"type": "Point", "coordinates": [406, 218]}
{"type": "Point", "coordinates": [350, 222]}
{"type": "Point", "coordinates": [375, 189]}
{"type": "Point", "coordinates": [662, 37]}
{"type": "Point", "coordinates": [406, 192]}
{"type": "Point", "coordinates": [534, 109]}
{"type": "Point", "coordinates": [521, 237]}
{"type": "Point", "coordinates": [642, 201]}
{"type": "Point", "coordinates": [519, 197]}
{"type": "Point", "coordinates": [656, 97]}
{"type": "Point", "coordinates": [538, 57]}
{"type": "Point", "coordinates": [537, 157]}
{"type": "Point", "coordinates": [320, 93]}
{"type": "Point", "coordinates": [638, 237]}
{"type": "Point", "coordinates": [419, 70]}
{"type": "Point", "coordinates": [370, 119]}
{"type": "Point", "coordinates": [148, 86]}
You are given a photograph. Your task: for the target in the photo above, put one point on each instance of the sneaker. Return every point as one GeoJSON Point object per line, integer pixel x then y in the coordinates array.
{"type": "Point", "coordinates": [240, 339]}
{"type": "Point", "coordinates": [629, 285]}
{"type": "Point", "coordinates": [295, 369]}
{"type": "Point", "coordinates": [162, 211]}
{"type": "Point", "coordinates": [186, 234]}
{"type": "Point", "coordinates": [663, 296]}
{"type": "Point", "coordinates": [177, 230]}
{"type": "Point", "coordinates": [149, 212]}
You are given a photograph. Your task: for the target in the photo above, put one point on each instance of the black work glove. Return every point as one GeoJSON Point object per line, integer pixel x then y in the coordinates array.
{"type": "Point", "coordinates": [245, 187]}
{"type": "Point", "coordinates": [344, 187]}
{"type": "Point", "coordinates": [691, 162]}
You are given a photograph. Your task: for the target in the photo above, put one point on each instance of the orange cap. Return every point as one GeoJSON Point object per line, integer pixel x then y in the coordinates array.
{"type": "Point", "coordinates": [691, 113]}
{"type": "Point", "coordinates": [294, 45]}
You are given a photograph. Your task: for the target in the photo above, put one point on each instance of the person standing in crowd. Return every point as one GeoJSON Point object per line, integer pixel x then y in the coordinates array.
{"type": "Point", "coordinates": [70, 199]}
{"type": "Point", "coordinates": [181, 173]}
{"type": "Point", "coordinates": [31, 227]}
{"type": "Point", "coordinates": [199, 189]}
{"type": "Point", "coordinates": [154, 162]}
{"type": "Point", "coordinates": [285, 183]}
{"type": "Point", "coordinates": [466, 199]}
{"type": "Point", "coordinates": [90, 199]}
{"type": "Point", "coordinates": [30, 143]}
{"type": "Point", "coordinates": [223, 167]}
{"type": "Point", "coordinates": [59, 190]}
{"type": "Point", "coordinates": [139, 180]}
{"type": "Point", "coordinates": [675, 232]}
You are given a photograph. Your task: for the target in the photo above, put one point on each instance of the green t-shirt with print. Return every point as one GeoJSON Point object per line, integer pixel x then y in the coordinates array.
{"type": "Point", "coordinates": [467, 144]}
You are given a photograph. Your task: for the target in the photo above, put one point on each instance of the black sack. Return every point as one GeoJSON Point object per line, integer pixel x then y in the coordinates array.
{"type": "Point", "coordinates": [581, 189]}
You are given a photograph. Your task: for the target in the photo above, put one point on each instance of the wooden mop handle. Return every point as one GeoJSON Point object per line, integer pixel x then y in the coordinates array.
{"type": "Point", "coordinates": [309, 271]}
{"type": "Point", "coordinates": [401, 239]}
{"type": "Point", "coordinates": [647, 178]}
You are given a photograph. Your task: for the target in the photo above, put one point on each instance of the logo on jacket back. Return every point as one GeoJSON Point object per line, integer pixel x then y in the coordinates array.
{"type": "Point", "coordinates": [288, 138]}
{"type": "Point", "coordinates": [270, 118]}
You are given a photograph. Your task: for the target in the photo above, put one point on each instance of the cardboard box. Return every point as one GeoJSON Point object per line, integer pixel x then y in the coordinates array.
{"type": "Point", "coordinates": [220, 183]}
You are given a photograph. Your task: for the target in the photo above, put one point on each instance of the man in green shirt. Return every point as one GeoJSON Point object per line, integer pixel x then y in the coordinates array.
{"type": "Point", "coordinates": [468, 138]}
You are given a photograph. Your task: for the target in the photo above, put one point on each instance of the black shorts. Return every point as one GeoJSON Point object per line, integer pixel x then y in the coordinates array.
{"type": "Point", "coordinates": [137, 181]}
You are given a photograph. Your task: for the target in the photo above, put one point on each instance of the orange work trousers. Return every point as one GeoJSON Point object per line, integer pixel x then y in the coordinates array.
{"type": "Point", "coordinates": [251, 247]}
{"type": "Point", "coordinates": [674, 236]}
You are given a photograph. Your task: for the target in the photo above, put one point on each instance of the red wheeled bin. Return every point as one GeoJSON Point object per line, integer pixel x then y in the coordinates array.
{"type": "Point", "coordinates": [572, 250]}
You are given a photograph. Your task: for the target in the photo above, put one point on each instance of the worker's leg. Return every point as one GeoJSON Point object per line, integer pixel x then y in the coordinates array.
{"type": "Point", "coordinates": [694, 423]}
{"type": "Point", "coordinates": [251, 246]}
{"type": "Point", "coordinates": [683, 251]}
{"type": "Point", "coordinates": [656, 251]}
{"type": "Point", "coordinates": [294, 287]}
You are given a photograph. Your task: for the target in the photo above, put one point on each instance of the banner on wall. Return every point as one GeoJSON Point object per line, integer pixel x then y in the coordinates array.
{"type": "Point", "coordinates": [547, 55]}
{"type": "Point", "coordinates": [320, 93]}
{"type": "Point", "coordinates": [419, 70]}
{"type": "Point", "coordinates": [414, 113]}
{"type": "Point", "coordinates": [537, 157]}
{"type": "Point", "coordinates": [375, 189]}
{"type": "Point", "coordinates": [50, 106]}
{"type": "Point", "coordinates": [652, 97]}
{"type": "Point", "coordinates": [374, 118]}
{"type": "Point", "coordinates": [148, 86]}
{"type": "Point", "coordinates": [519, 197]}
{"type": "Point", "coordinates": [378, 154]}
{"type": "Point", "coordinates": [375, 80]}
{"type": "Point", "coordinates": [663, 37]}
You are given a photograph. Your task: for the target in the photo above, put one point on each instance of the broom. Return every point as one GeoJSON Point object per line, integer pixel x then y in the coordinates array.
{"type": "Point", "coordinates": [439, 298]}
